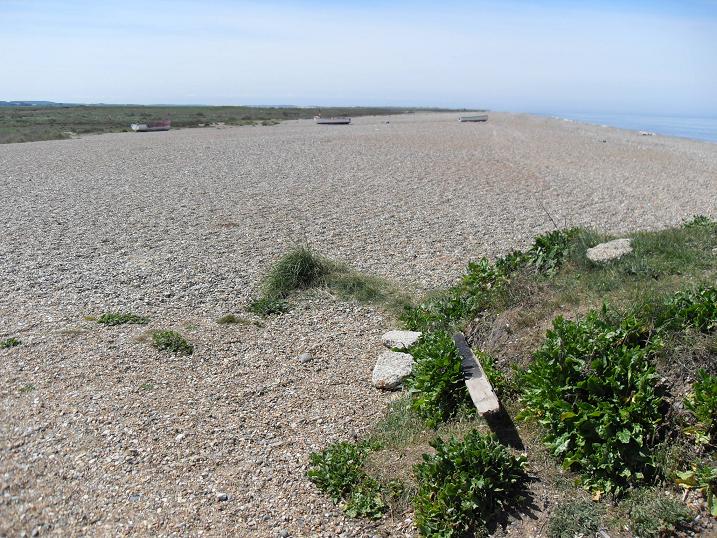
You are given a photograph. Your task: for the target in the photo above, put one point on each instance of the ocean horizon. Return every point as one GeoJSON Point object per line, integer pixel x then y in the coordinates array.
{"type": "Point", "coordinates": [696, 128]}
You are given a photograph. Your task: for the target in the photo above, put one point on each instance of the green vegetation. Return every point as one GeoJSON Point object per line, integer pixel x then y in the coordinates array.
{"type": "Point", "coordinates": [9, 342]}
{"type": "Point", "coordinates": [702, 403]}
{"type": "Point", "coordinates": [575, 518]}
{"type": "Point", "coordinates": [171, 341]}
{"type": "Point", "coordinates": [121, 318]}
{"type": "Point", "coordinates": [653, 513]}
{"type": "Point", "coordinates": [464, 484]}
{"type": "Point", "coordinates": [587, 353]}
{"type": "Point", "coordinates": [437, 384]}
{"type": "Point", "coordinates": [339, 472]}
{"type": "Point", "coordinates": [27, 388]}
{"type": "Point", "coordinates": [25, 124]}
{"type": "Point", "coordinates": [696, 308]}
{"type": "Point", "coordinates": [302, 269]}
{"type": "Point", "coordinates": [593, 388]}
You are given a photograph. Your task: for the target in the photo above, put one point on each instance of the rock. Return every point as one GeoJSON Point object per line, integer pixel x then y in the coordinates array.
{"type": "Point", "coordinates": [222, 497]}
{"type": "Point", "coordinates": [283, 533]}
{"type": "Point", "coordinates": [400, 339]}
{"type": "Point", "coordinates": [612, 250]}
{"type": "Point", "coordinates": [392, 367]}
{"type": "Point", "coordinates": [305, 357]}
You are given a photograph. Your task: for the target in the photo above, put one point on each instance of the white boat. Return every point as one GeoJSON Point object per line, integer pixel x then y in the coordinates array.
{"type": "Point", "coordinates": [477, 117]}
{"type": "Point", "coordinates": [162, 125]}
{"type": "Point", "coordinates": [336, 120]}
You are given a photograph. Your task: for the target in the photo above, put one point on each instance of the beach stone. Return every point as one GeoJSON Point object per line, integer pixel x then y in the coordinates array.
{"type": "Point", "coordinates": [305, 357]}
{"type": "Point", "coordinates": [400, 339]}
{"type": "Point", "coordinates": [392, 367]}
{"type": "Point", "coordinates": [612, 250]}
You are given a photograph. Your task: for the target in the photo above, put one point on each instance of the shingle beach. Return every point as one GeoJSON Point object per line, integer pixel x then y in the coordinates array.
{"type": "Point", "coordinates": [103, 435]}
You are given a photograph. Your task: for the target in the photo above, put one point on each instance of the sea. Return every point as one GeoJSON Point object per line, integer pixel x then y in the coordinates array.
{"type": "Point", "coordinates": [682, 126]}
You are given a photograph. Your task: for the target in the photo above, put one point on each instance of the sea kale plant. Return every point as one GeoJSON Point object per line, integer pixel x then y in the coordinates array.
{"type": "Point", "coordinates": [436, 385]}
{"type": "Point", "coordinates": [465, 484]}
{"type": "Point", "coordinates": [695, 308]}
{"type": "Point", "coordinates": [338, 472]}
{"type": "Point", "coordinates": [593, 388]}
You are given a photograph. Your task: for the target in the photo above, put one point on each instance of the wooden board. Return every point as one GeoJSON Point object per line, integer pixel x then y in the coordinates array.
{"type": "Point", "coordinates": [479, 387]}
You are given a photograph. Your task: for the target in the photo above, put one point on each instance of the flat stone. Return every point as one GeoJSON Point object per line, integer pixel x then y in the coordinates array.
{"type": "Point", "coordinates": [612, 250]}
{"type": "Point", "coordinates": [392, 367]}
{"type": "Point", "coordinates": [305, 357]}
{"type": "Point", "coordinates": [400, 339]}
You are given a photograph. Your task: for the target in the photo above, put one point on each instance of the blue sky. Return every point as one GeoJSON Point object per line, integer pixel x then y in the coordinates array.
{"type": "Point", "coordinates": [639, 57]}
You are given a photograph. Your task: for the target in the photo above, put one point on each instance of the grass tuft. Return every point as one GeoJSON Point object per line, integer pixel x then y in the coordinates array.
{"type": "Point", "coordinates": [575, 518]}
{"type": "Point", "coordinates": [302, 269]}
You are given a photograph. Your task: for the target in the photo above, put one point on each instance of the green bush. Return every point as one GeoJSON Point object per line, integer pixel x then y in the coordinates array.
{"type": "Point", "coordinates": [121, 318]}
{"type": "Point", "coordinates": [696, 308]}
{"type": "Point", "coordinates": [653, 513]}
{"type": "Point", "coordinates": [437, 385]}
{"type": "Point", "coordinates": [571, 519]}
{"type": "Point", "coordinates": [593, 388]}
{"type": "Point", "coordinates": [702, 403]}
{"type": "Point", "coordinates": [9, 342]}
{"type": "Point", "coordinates": [172, 341]}
{"type": "Point", "coordinates": [338, 472]}
{"type": "Point", "coordinates": [464, 484]}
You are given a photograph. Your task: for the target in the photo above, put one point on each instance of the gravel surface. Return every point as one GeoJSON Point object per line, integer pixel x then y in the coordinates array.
{"type": "Point", "coordinates": [100, 434]}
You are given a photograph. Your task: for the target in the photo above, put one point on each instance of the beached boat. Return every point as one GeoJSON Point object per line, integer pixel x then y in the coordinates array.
{"type": "Point", "coordinates": [477, 117]}
{"type": "Point", "coordinates": [162, 125]}
{"type": "Point", "coordinates": [336, 120]}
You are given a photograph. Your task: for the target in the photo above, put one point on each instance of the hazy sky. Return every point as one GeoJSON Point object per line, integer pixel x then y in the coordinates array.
{"type": "Point", "coordinates": [589, 56]}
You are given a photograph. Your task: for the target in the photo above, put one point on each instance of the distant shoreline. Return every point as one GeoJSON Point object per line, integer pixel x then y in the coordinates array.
{"type": "Point", "coordinates": [690, 128]}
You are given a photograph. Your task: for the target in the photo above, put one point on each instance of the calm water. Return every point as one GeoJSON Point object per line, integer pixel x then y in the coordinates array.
{"type": "Point", "coordinates": [697, 128]}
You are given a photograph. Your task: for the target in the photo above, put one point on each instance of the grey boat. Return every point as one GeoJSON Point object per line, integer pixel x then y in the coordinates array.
{"type": "Point", "coordinates": [477, 117]}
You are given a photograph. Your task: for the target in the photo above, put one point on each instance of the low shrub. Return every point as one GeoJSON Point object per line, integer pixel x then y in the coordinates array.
{"type": "Point", "coordinates": [653, 513]}
{"type": "Point", "coordinates": [702, 403]}
{"type": "Point", "coordinates": [121, 318]}
{"type": "Point", "coordinates": [577, 518]}
{"type": "Point", "coordinates": [172, 341]}
{"type": "Point", "coordinates": [338, 472]}
{"type": "Point", "coordinates": [436, 385]}
{"type": "Point", "coordinates": [9, 342]}
{"type": "Point", "coordinates": [265, 306]}
{"type": "Point", "coordinates": [699, 221]}
{"type": "Point", "coordinates": [465, 484]}
{"type": "Point", "coordinates": [696, 308]}
{"type": "Point", "coordinates": [593, 388]}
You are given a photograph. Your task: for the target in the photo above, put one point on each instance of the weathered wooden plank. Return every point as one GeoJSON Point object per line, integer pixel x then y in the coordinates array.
{"type": "Point", "coordinates": [477, 382]}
